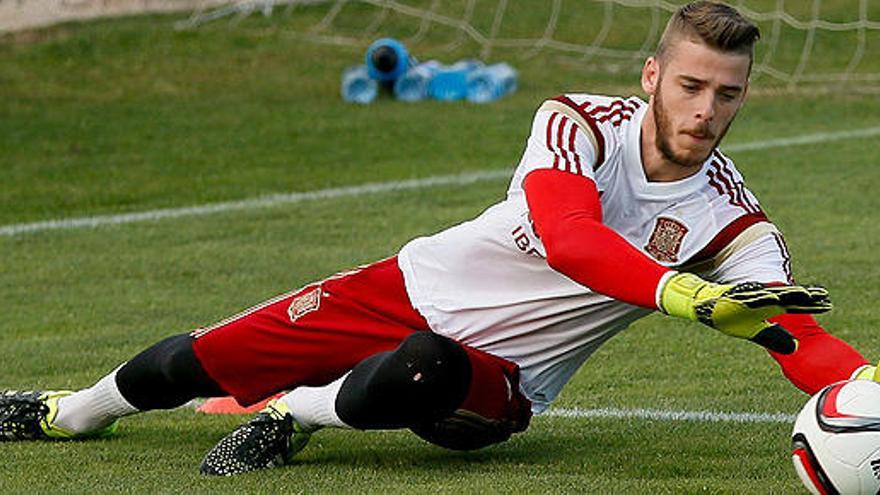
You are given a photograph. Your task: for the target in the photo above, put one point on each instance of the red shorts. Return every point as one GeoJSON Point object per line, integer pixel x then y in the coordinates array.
{"type": "Point", "coordinates": [317, 334]}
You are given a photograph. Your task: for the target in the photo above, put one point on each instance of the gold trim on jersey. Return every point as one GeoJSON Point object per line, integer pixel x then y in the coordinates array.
{"type": "Point", "coordinates": [556, 106]}
{"type": "Point", "coordinates": [745, 238]}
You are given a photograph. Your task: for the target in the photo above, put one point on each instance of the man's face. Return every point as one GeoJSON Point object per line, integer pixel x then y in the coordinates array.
{"type": "Point", "coordinates": [696, 92]}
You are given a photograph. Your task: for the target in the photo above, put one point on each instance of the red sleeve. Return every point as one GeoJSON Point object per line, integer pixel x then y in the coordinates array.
{"type": "Point", "coordinates": [820, 358]}
{"type": "Point", "coordinates": [567, 214]}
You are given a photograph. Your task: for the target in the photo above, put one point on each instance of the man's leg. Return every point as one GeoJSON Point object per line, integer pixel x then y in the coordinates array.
{"type": "Point", "coordinates": [307, 341]}
{"type": "Point", "coordinates": [492, 411]}
{"type": "Point", "coordinates": [424, 379]}
{"type": "Point", "coordinates": [313, 335]}
{"type": "Point", "coordinates": [163, 376]}
{"type": "Point", "coordinates": [310, 337]}
{"type": "Point", "coordinates": [447, 393]}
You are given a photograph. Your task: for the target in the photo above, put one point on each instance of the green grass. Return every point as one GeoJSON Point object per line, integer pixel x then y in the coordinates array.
{"type": "Point", "coordinates": [128, 115]}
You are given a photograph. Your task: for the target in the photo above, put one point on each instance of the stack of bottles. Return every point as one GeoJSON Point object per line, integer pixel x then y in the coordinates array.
{"type": "Point", "coordinates": [389, 65]}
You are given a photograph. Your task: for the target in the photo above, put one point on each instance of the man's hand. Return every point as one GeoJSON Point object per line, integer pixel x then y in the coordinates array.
{"type": "Point", "coordinates": [742, 310]}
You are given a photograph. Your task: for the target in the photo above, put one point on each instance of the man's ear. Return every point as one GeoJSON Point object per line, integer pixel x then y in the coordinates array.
{"type": "Point", "coordinates": [650, 75]}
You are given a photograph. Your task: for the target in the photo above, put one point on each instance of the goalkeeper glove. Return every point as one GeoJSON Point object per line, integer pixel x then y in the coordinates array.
{"type": "Point", "coordinates": [742, 310]}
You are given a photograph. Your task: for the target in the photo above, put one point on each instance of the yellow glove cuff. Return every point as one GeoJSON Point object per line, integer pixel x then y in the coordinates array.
{"type": "Point", "coordinates": [677, 296]}
{"type": "Point", "coordinates": [683, 291]}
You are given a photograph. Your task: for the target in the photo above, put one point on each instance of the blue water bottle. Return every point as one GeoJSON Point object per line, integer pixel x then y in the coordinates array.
{"type": "Point", "coordinates": [413, 84]}
{"type": "Point", "coordinates": [387, 59]}
{"type": "Point", "coordinates": [450, 83]}
{"type": "Point", "coordinates": [490, 83]}
{"type": "Point", "coordinates": [358, 86]}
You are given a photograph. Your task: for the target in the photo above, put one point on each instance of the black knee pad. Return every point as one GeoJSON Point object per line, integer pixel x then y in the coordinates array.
{"type": "Point", "coordinates": [166, 375]}
{"type": "Point", "coordinates": [424, 379]}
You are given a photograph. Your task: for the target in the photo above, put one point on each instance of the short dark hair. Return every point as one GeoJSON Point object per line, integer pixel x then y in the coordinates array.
{"type": "Point", "coordinates": [718, 25]}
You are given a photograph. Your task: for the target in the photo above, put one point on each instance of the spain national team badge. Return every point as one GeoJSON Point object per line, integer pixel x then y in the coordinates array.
{"type": "Point", "coordinates": [304, 303]}
{"type": "Point", "coordinates": [665, 242]}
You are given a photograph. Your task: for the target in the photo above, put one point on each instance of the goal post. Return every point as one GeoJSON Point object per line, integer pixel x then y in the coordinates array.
{"type": "Point", "coordinates": [805, 43]}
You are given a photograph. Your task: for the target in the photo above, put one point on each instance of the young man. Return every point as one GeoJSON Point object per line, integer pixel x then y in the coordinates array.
{"type": "Point", "coordinates": [618, 208]}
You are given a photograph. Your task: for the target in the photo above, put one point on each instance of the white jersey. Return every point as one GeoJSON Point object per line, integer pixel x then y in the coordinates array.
{"type": "Point", "coordinates": [486, 282]}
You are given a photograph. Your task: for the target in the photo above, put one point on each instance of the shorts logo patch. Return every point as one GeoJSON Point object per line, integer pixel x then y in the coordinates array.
{"type": "Point", "coordinates": [304, 303]}
{"type": "Point", "coordinates": [665, 242]}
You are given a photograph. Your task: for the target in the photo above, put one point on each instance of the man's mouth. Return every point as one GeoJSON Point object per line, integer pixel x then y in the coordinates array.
{"type": "Point", "coordinates": [700, 135]}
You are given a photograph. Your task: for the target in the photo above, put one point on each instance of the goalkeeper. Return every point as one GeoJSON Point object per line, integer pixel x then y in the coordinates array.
{"type": "Point", "coordinates": [618, 208]}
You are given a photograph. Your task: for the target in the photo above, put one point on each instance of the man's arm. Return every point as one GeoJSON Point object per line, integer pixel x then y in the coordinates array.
{"type": "Point", "coordinates": [567, 215]}
{"type": "Point", "coordinates": [566, 212]}
{"type": "Point", "coordinates": [820, 358]}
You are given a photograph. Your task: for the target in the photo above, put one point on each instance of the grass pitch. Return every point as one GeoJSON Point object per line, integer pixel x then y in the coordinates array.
{"type": "Point", "coordinates": [129, 115]}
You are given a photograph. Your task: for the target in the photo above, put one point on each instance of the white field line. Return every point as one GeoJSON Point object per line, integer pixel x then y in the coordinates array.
{"type": "Point", "coordinates": [252, 203]}
{"type": "Point", "coordinates": [661, 415]}
{"type": "Point", "coordinates": [821, 137]}
{"type": "Point", "coordinates": [643, 414]}
{"type": "Point", "coordinates": [363, 189]}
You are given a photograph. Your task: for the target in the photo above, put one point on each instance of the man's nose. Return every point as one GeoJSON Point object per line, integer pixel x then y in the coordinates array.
{"type": "Point", "coordinates": [706, 107]}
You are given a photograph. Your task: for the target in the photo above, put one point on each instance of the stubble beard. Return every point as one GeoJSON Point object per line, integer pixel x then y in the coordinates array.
{"type": "Point", "coordinates": [663, 130]}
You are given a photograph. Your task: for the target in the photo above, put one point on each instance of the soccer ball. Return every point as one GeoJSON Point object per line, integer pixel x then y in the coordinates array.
{"type": "Point", "coordinates": [836, 439]}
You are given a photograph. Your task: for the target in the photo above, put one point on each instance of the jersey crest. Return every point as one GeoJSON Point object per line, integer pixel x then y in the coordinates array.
{"type": "Point", "coordinates": [665, 242]}
{"type": "Point", "coordinates": [304, 303]}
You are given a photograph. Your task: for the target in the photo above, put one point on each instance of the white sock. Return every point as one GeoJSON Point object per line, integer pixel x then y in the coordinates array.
{"type": "Point", "coordinates": [315, 407]}
{"type": "Point", "coordinates": [93, 408]}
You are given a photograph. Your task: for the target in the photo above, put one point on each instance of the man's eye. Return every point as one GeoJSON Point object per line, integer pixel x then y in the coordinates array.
{"type": "Point", "coordinates": [728, 96]}
{"type": "Point", "coordinates": [690, 88]}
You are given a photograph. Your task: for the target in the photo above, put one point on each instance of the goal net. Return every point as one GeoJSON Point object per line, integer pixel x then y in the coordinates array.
{"type": "Point", "coordinates": [806, 43]}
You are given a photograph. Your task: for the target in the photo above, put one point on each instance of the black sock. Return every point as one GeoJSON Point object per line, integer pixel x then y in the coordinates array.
{"type": "Point", "coordinates": [165, 376]}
